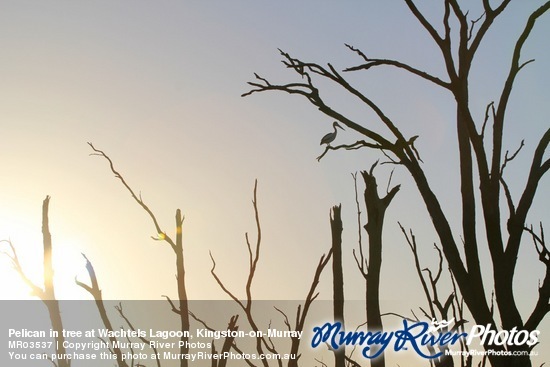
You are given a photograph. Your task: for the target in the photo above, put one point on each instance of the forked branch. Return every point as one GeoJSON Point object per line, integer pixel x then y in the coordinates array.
{"type": "Point", "coordinates": [357, 145]}
{"type": "Point", "coordinates": [46, 294]}
{"type": "Point", "coordinates": [161, 235]}
{"type": "Point", "coordinates": [543, 303]}
{"type": "Point", "coordinates": [370, 63]}
{"type": "Point", "coordinates": [95, 291]}
{"type": "Point", "coordinates": [253, 258]}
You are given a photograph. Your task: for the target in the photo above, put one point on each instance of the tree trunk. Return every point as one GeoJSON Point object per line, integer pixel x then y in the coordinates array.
{"type": "Point", "coordinates": [376, 209]}
{"type": "Point", "coordinates": [182, 293]}
{"type": "Point", "coordinates": [48, 297]}
{"type": "Point", "coordinates": [338, 278]}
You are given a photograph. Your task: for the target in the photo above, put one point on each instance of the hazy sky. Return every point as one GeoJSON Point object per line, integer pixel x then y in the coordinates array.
{"type": "Point", "coordinates": [157, 85]}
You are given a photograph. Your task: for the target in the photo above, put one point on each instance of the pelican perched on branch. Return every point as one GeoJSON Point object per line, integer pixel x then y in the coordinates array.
{"type": "Point", "coordinates": [329, 138]}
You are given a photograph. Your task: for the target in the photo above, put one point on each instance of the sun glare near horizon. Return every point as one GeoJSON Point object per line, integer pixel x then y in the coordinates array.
{"type": "Point", "coordinates": [68, 263]}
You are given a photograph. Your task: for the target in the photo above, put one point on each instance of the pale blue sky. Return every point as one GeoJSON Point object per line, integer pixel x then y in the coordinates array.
{"type": "Point", "coordinates": [157, 86]}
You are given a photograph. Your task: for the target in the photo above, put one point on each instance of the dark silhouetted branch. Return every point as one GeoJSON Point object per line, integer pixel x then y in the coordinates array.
{"type": "Point", "coordinates": [376, 209]}
{"type": "Point", "coordinates": [176, 246]}
{"type": "Point", "coordinates": [131, 326]}
{"type": "Point", "coordinates": [336, 228]}
{"type": "Point", "coordinates": [369, 63]}
{"type": "Point", "coordinates": [47, 293]}
{"type": "Point", "coordinates": [253, 258]}
{"type": "Point", "coordinates": [95, 291]}
{"type": "Point", "coordinates": [543, 306]}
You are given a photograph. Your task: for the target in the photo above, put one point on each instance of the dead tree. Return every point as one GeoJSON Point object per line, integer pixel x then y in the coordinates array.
{"type": "Point", "coordinates": [95, 292]}
{"type": "Point", "coordinates": [47, 293]}
{"type": "Point", "coordinates": [303, 309]}
{"type": "Point", "coordinates": [263, 343]}
{"type": "Point", "coordinates": [482, 161]}
{"type": "Point", "coordinates": [438, 309]}
{"type": "Point", "coordinates": [131, 326]}
{"type": "Point", "coordinates": [227, 344]}
{"type": "Point", "coordinates": [182, 307]}
{"type": "Point", "coordinates": [336, 228]}
{"type": "Point", "coordinates": [544, 288]}
{"type": "Point", "coordinates": [371, 266]}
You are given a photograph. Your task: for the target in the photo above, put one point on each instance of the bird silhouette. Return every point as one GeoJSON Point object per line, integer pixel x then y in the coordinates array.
{"type": "Point", "coordinates": [329, 138]}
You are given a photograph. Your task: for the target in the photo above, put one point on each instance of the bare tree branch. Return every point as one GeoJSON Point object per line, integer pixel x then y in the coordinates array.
{"type": "Point", "coordinates": [411, 240]}
{"type": "Point", "coordinates": [507, 89]}
{"type": "Point", "coordinates": [47, 293]}
{"type": "Point", "coordinates": [369, 63]}
{"type": "Point", "coordinates": [35, 290]}
{"type": "Point", "coordinates": [131, 326]}
{"type": "Point", "coordinates": [357, 145]}
{"type": "Point", "coordinates": [543, 306]}
{"type": "Point", "coordinates": [232, 325]}
{"type": "Point", "coordinates": [491, 107]}
{"type": "Point", "coordinates": [177, 247]}
{"type": "Point", "coordinates": [362, 263]}
{"type": "Point", "coordinates": [516, 222]}
{"type": "Point", "coordinates": [95, 291]}
{"type": "Point", "coordinates": [254, 256]}
{"type": "Point", "coordinates": [160, 233]}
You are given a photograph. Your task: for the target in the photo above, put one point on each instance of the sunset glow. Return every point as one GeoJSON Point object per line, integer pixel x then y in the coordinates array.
{"type": "Point", "coordinates": [158, 87]}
